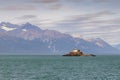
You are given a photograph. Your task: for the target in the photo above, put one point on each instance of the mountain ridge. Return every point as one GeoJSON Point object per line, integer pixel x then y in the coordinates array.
{"type": "Point", "coordinates": [28, 38]}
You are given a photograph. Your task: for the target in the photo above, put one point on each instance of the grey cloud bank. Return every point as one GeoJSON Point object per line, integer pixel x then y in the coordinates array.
{"type": "Point", "coordinates": [87, 18]}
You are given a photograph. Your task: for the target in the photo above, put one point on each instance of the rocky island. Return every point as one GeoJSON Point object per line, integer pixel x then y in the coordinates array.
{"type": "Point", "coordinates": [77, 52]}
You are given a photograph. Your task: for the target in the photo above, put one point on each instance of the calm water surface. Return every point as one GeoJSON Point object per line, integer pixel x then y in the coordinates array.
{"type": "Point", "coordinates": [59, 68]}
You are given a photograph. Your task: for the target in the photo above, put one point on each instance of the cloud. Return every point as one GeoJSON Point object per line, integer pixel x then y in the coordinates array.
{"type": "Point", "coordinates": [92, 15]}
{"type": "Point", "coordinates": [55, 7]}
{"type": "Point", "coordinates": [109, 22]}
{"type": "Point", "coordinates": [48, 4]}
{"type": "Point", "coordinates": [18, 8]}
{"type": "Point", "coordinates": [90, 18]}
{"type": "Point", "coordinates": [90, 25]}
{"type": "Point", "coordinates": [105, 1]}
{"type": "Point", "coordinates": [101, 1]}
{"type": "Point", "coordinates": [27, 17]}
{"type": "Point", "coordinates": [75, 1]}
{"type": "Point", "coordinates": [85, 20]}
{"type": "Point", "coordinates": [96, 1]}
{"type": "Point", "coordinates": [44, 1]}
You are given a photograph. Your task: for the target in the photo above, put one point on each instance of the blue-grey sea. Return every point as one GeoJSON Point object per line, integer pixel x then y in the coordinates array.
{"type": "Point", "coordinates": [59, 68]}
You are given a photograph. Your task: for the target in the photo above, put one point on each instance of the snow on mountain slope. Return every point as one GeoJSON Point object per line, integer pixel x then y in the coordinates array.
{"type": "Point", "coordinates": [4, 27]}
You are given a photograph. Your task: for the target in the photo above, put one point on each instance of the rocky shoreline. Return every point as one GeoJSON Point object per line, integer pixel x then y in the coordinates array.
{"type": "Point", "coordinates": [77, 52]}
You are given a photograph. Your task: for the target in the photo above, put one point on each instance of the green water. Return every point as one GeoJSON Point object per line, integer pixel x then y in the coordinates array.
{"type": "Point", "coordinates": [59, 68]}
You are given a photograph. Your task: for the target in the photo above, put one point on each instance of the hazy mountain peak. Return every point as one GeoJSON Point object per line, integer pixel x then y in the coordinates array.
{"type": "Point", "coordinates": [7, 23]}
{"type": "Point", "coordinates": [29, 26]}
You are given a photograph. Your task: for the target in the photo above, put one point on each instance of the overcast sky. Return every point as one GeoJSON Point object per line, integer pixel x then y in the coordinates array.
{"type": "Point", "coordinates": [80, 18]}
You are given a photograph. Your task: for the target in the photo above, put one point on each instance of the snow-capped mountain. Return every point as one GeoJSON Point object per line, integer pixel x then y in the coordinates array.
{"type": "Point", "coordinates": [28, 38]}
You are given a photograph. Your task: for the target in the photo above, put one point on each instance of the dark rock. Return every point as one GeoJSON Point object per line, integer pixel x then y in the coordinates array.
{"type": "Point", "coordinates": [76, 52]}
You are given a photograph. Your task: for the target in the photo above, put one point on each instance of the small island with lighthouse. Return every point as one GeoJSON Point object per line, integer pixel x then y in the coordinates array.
{"type": "Point", "coordinates": [77, 52]}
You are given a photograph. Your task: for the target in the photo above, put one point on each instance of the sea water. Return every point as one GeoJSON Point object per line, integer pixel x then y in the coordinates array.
{"type": "Point", "coordinates": [59, 68]}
